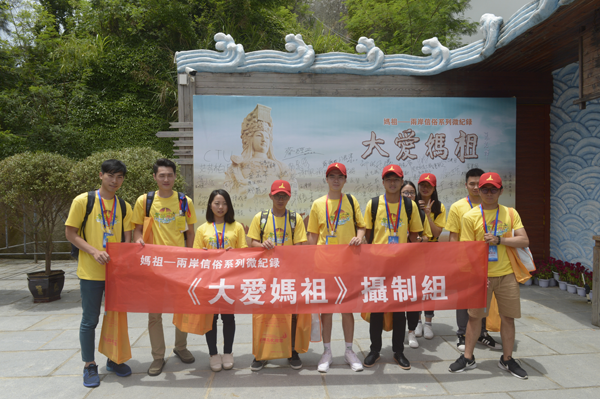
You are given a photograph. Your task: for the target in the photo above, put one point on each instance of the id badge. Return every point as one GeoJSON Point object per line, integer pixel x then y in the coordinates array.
{"type": "Point", "coordinates": [331, 240]}
{"type": "Point", "coordinates": [493, 253]}
{"type": "Point", "coordinates": [393, 240]}
{"type": "Point", "coordinates": [106, 238]}
{"type": "Point", "coordinates": [180, 223]}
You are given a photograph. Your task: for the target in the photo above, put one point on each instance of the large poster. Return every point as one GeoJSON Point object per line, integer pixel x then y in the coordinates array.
{"type": "Point", "coordinates": [243, 144]}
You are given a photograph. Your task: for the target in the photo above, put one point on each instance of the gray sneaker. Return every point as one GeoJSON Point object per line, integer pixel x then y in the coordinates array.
{"type": "Point", "coordinates": [294, 361]}
{"type": "Point", "coordinates": [257, 365]}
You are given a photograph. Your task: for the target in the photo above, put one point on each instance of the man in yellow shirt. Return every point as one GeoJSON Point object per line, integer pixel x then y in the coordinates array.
{"type": "Point", "coordinates": [274, 227]}
{"type": "Point", "coordinates": [453, 225]}
{"type": "Point", "coordinates": [95, 219]}
{"type": "Point", "coordinates": [392, 225]}
{"type": "Point", "coordinates": [173, 215]}
{"type": "Point", "coordinates": [489, 222]}
{"type": "Point", "coordinates": [335, 219]}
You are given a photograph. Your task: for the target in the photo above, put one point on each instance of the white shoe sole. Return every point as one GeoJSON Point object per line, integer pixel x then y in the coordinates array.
{"type": "Point", "coordinates": [323, 368]}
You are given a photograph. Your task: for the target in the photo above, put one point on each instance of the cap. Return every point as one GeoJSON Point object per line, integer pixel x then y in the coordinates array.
{"type": "Point", "coordinates": [281, 186]}
{"type": "Point", "coordinates": [336, 166]}
{"type": "Point", "coordinates": [490, 178]}
{"type": "Point", "coordinates": [429, 178]}
{"type": "Point", "coordinates": [392, 169]}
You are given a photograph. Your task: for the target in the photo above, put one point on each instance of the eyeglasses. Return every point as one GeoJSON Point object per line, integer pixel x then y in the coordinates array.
{"type": "Point", "coordinates": [281, 197]}
{"type": "Point", "coordinates": [409, 193]}
{"type": "Point", "coordinates": [489, 190]}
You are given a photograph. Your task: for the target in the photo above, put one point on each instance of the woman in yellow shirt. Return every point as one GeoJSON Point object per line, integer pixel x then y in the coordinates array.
{"type": "Point", "coordinates": [220, 231]}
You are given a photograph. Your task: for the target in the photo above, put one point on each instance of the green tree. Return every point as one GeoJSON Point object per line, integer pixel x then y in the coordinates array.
{"type": "Point", "coordinates": [400, 26]}
{"type": "Point", "coordinates": [36, 188]}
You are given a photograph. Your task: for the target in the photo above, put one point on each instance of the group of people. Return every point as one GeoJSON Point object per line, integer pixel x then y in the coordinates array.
{"type": "Point", "coordinates": [403, 213]}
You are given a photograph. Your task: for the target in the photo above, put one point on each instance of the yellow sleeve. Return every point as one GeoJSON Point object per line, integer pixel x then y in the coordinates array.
{"type": "Point", "coordinates": [299, 231]}
{"type": "Point", "coordinates": [440, 220]}
{"type": "Point", "coordinates": [192, 218]}
{"type": "Point", "coordinates": [427, 228]}
{"type": "Point", "coordinates": [241, 236]}
{"type": "Point", "coordinates": [368, 221]}
{"type": "Point", "coordinates": [467, 230]}
{"type": "Point", "coordinates": [254, 231]}
{"type": "Point", "coordinates": [198, 240]}
{"type": "Point", "coordinates": [517, 224]}
{"type": "Point", "coordinates": [127, 225]}
{"type": "Point", "coordinates": [313, 220]}
{"type": "Point", "coordinates": [139, 210]}
{"type": "Point", "coordinates": [360, 222]}
{"type": "Point", "coordinates": [453, 223]}
{"type": "Point", "coordinates": [416, 226]}
{"type": "Point", "coordinates": [77, 212]}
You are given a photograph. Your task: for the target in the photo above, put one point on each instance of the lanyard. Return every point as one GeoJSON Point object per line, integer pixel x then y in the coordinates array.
{"type": "Point", "coordinates": [102, 208]}
{"type": "Point", "coordinates": [485, 224]}
{"type": "Point", "coordinates": [337, 219]}
{"type": "Point", "coordinates": [387, 209]}
{"type": "Point", "coordinates": [275, 227]}
{"type": "Point", "coordinates": [217, 235]}
{"type": "Point", "coordinates": [469, 199]}
{"type": "Point", "coordinates": [183, 208]}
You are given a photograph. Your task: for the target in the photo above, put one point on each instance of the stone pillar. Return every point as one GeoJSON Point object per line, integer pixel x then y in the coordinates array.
{"type": "Point", "coordinates": [596, 284]}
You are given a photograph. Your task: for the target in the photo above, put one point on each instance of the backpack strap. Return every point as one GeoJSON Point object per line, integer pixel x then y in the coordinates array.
{"type": "Point", "coordinates": [184, 208]}
{"type": "Point", "coordinates": [263, 223]}
{"type": "Point", "coordinates": [374, 208]}
{"type": "Point", "coordinates": [91, 199]}
{"type": "Point", "coordinates": [351, 200]}
{"type": "Point", "coordinates": [123, 214]}
{"type": "Point", "coordinates": [292, 224]}
{"type": "Point", "coordinates": [149, 201]}
{"type": "Point", "coordinates": [408, 208]}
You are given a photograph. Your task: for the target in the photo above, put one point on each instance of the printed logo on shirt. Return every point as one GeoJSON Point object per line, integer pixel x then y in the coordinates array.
{"type": "Point", "coordinates": [384, 221]}
{"type": "Point", "coordinates": [107, 217]}
{"type": "Point", "coordinates": [212, 241]}
{"type": "Point", "coordinates": [270, 236]}
{"type": "Point", "coordinates": [344, 218]}
{"type": "Point", "coordinates": [165, 215]}
{"type": "Point", "coordinates": [502, 227]}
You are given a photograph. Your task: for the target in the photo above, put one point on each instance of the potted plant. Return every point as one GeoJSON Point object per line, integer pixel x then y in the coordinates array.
{"type": "Point", "coordinates": [544, 274]}
{"type": "Point", "coordinates": [563, 273]}
{"type": "Point", "coordinates": [571, 278]}
{"type": "Point", "coordinates": [36, 190]}
{"type": "Point", "coordinates": [553, 266]}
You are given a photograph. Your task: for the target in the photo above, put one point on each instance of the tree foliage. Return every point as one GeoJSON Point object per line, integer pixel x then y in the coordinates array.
{"type": "Point", "coordinates": [400, 26]}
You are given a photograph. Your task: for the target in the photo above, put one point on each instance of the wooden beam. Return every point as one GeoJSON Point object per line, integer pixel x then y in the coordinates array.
{"type": "Point", "coordinates": [181, 125]}
{"type": "Point", "coordinates": [175, 134]}
{"type": "Point", "coordinates": [184, 152]}
{"type": "Point", "coordinates": [184, 161]}
{"type": "Point", "coordinates": [183, 143]}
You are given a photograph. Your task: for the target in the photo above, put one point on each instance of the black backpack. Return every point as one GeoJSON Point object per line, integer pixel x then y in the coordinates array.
{"type": "Point", "coordinates": [263, 222]}
{"type": "Point", "coordinates": [183, 206]}
{"type": "Point", "coordinates": [88, 209]}
{"type": "Point", "coordinates": [375, 206]}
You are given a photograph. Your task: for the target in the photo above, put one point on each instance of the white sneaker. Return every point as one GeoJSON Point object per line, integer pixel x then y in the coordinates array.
{"type": "Point", "coordinates": [427, 331]}
{"type": "Point", "coordinates": [352, 360]}
{"type": "Point", "coordinates": [412, 340]}
{"type": "Point", "coordinates": [419, 329]}
{"type": "Point", "coordinates": [325, 362]}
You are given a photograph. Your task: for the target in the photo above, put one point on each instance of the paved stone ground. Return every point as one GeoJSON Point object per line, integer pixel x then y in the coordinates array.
{"type": "Point", "coordinates": [40, 356]}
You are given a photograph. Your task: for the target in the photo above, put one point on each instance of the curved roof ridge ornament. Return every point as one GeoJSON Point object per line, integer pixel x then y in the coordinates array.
{"type": "Point", "coordinates": [351, 63]}
{"type": "Point", "coordinates": [301, 57]}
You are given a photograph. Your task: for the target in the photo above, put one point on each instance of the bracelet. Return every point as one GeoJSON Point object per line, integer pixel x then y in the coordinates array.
{"type": "Point", "coordinates": [499, 240]}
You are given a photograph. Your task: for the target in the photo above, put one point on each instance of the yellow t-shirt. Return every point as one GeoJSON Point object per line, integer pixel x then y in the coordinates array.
{"type": "Point", "coordinates": [235, 237]}
{"type": "Point", "coordinates": [87, 267]}
{"type": "Point", "coordinates": [440, 221]}
{"type": "Point", "coordinates": [381, 230]}
{"type": "Point", "coordinates": [457, 211]}
{"type": "Point", "coordinates": [280, 225]}
{"type": "Point", "coordinates": [317, 222]}
{"type": "Point", "coordinates": [473, 230]}
{"type": "Point", "coordinates": [164, 211]}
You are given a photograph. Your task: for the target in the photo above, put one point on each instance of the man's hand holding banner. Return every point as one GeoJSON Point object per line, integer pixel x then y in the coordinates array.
{"type": "Point", "coordinates": [297, 279]}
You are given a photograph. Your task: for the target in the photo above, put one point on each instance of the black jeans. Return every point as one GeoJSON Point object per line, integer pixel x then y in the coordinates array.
{"type": "Point", "coordinates": [398, 332]}
{"type": "Point", "coordinates": [228, 334]}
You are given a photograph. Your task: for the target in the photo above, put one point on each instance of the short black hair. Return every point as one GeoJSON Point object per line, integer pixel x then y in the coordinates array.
{"type": "Point", "coordinates": [113, 166]}
{"type": "Point", "coordinates": [167, 163]}
{"type": "Point", "coordinates": [229, 216]}
{"type": "Point", "coordinates": [476, 172]}
{"type": "Point", "coordinates": [390, 174]}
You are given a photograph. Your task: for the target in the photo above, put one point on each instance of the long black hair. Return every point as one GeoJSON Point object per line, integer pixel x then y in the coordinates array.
{"type": "Point", "coordinates": [436, 208]}
{"type": "Point", "coordinates": [229, 216]}
{"type": "Point", "coordinates": [409, 183]}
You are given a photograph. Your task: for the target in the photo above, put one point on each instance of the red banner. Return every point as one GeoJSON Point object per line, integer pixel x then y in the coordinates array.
{"type": "Point", "coordinates": [297, 279]}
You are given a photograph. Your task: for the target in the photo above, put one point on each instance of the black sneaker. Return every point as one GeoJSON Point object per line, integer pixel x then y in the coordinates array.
{"type": "Point", "coordinates": [402, 361]}
{"type": "Point", "coordinates": [488, 341]}
{"type": "Point", "coordinates": [462, 364]}
{"type": "Point", "coordinates": [513, 367]}
{"type": "Point", "coordinates": [121, 369]}
{"type": "Point", "coordinates": [91, 378]}
{"type": "Point", "coordinates": [294, 361]}
{"type": "Point", "coordinates": [461, 343]}
{"type": "Point", "coordinates": [371, 358]}
{"type": "Point", "coordinates": [257, 365]}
